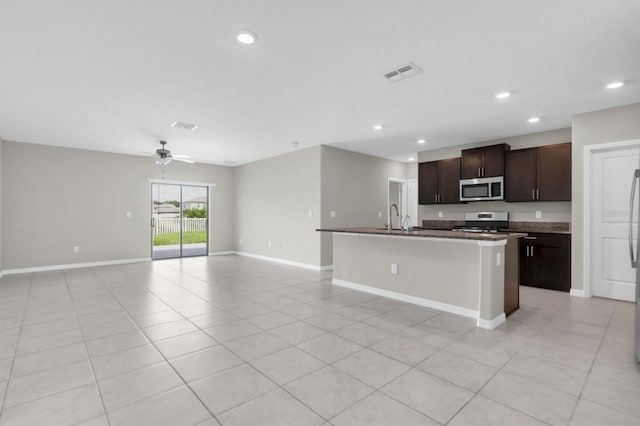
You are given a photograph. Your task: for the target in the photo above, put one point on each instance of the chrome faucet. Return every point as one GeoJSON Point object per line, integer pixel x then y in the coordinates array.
{"type": "Point", "coordinates": [404, 226]}
{"type": "Point", "coordinates": [390, 225]}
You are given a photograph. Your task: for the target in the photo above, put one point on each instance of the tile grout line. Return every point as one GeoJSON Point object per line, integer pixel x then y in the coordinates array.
{"type": "Point", "coordinates": [86, 351]}
{"type": "Point", "coordinates": [15, 350]}
{"type": "Point", "coordinates": [168, 363]}
{"type": "Point", "coordinates": [584, 385]}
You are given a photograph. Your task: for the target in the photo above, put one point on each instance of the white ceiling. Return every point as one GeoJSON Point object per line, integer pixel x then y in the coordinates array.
{"type": "Point", "coordinates": [112, 75]}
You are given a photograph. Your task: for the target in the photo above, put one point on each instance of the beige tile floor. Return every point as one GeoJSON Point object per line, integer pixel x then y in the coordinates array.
{"type": "Point", "coordinates": [236, 341]}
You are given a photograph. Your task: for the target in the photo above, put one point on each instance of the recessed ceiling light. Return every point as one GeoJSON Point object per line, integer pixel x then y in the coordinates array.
{"type": "Point", "coordinates": [378, 127]}
{"type": "Point", "coordinates": [412, 159]}
{"type": "Point", "coordinates": [534, 119]}
{"type": "Point", "coordinates": [503, 95]}
{"type": "Point", "coordinates": [422, 141]}
{"type": "Point", "coordinates": [615, 85]}
{"type": "Point", "coordinates": [246, 37]}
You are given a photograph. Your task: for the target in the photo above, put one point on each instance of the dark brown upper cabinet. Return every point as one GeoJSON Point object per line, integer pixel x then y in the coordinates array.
{"type": "Point", "coordinates": [439, 182]}
{"type": "Point", "coordinates": [539, 174]}
{"type": "Point", "coordinates": [486, 161]}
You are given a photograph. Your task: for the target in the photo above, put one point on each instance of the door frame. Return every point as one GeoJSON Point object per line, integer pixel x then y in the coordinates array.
{"type": "Point", "coordinates": [589, 151]}
{"type": "Point", "coordinates": [404, 203]}
{"type": "Point", "coordinates": [210, 187]}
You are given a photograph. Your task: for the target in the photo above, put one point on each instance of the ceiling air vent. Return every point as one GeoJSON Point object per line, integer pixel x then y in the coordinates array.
{"type": "Point", "coordinates": [181, 125]}
{"type": "Point", "coordinates": [403, 72]}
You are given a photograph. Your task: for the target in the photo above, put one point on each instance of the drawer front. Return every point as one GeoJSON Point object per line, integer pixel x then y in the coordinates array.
{"type": "Point", "coordinates": [555, 240]}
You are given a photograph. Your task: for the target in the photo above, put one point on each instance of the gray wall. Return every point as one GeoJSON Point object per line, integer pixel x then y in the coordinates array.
{"type": "Point", "coordinates": [1, 225]}
{"type": "Point", "coordinates": [272, 201]}
{"type": "Point", "coordinates": [354, 185]}
{"type": "Point", "coordinates": [55, 198]}
{"type": "Point", "coordinates": [611, 125]}
{"type": "Point", "coordinates": [551, 211]}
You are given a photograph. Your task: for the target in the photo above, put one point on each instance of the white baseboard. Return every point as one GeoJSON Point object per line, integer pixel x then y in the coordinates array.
{"type": "Point", "coordinates": [286, 262]}
{"type": "Point", "coordinates": [471, 313]}
{"type": "Point", "coordinates": [491, 324]}
{"type": "Point", "coordinates": [74, 266]}
{"type": "Point", "coordinates": [578, 293]}
{"type": "Point", "coordinates": [222, 253]}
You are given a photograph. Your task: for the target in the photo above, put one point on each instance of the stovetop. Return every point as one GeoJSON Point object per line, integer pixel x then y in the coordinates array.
{"type": "Point", "coordinates": [465, 228]}
{"type": "Point", "coordinates": [484, 222]}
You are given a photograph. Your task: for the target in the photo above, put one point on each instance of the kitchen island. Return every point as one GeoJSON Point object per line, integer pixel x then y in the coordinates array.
{"type": "Point", "coordinates": [470, 274]}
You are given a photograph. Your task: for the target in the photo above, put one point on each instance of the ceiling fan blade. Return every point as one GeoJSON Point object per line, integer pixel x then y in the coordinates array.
{"type": "Point", "coordinates": [147, 153]}
{"type": "Point", "coordinates": [179, 156]}
{"type": "Point", "coordinates": [184, 160]}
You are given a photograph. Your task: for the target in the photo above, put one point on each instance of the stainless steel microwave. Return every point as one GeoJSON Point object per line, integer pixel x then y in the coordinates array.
{"type": "Point", "coordinates": [482, 189]}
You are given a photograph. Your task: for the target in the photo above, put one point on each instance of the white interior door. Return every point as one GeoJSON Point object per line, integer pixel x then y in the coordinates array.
{"type": "Point", "coordinates": [412, 198]}
{"type": "Point", "coordinates": [611, 273]}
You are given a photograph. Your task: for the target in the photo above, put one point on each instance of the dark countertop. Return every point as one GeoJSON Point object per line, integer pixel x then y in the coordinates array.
{"type": "Point", "coordinates": [514, 226]}
{"type": "Point", "coordinates": [427, 233]}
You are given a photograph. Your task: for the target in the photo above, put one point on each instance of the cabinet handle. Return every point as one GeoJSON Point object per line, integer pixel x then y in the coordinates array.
{"type": "Point", "coordinates": [527, 250]}
{"type": "Point", "coordinates": [439, 198]}
{"type": "Point", "coordinates": [530, 238]}
{"type": "Point", "coordinates": [483, 172]}
{"type": "Point", "coordinates": [531, 251]}
{"type": "Point", "coordinates": [479, 173]}
{"type": "Point", "coordinates": [537, 194]}
{"type": "Point", "coordinates": [533, 194]}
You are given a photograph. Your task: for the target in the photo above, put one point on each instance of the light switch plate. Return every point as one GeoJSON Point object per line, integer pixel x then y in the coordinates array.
{"type": "Point", "coordinates": [310, 213]}
{"type": "Point", "coordinates": [128, 215]}
{"type": "Point", "coordinates": [538, 214]}
{"type": "Point", "coordinates": [440, 214]}
{"type": "Point", "coordinates": [333, 213]}
{"type": "Point", "coordinates": [394, 268]}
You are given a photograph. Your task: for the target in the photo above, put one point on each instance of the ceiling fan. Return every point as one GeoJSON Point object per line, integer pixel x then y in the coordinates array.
{"type": "Point", "coordinates": [163, 156]}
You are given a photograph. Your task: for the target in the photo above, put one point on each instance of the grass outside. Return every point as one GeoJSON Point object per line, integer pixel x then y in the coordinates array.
{"type": "Point", "coordinates": [174, 238]}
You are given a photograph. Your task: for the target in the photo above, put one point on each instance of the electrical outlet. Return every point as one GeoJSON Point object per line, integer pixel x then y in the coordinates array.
{"type": "Point", "coordinates": [310, 213]}
{"type": "Point", "coordinates": [76, 249]}
{"type": "Point", "coordinates": [333, 213]}
{"type": "Point", "coordinates": [498, 259]}
{"type": "Point", "coordinates": [269, 244]}
{"type": "Point", "coordinates": [394, 268]}
{"type": "Point", "coordinates": [440, 214]}
{"type": "Point", "coordinates": [240, 241]}
{"type": "Point", "coordinates": [538, 214]}
{"type": "Point", "coordinates": [128, 215]}
{"type": "Point", "coordinates": [379, 214]}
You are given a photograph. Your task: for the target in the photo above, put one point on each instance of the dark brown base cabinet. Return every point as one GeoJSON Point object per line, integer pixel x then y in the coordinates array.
{"type": "Point", "coordinates": [545, 261]}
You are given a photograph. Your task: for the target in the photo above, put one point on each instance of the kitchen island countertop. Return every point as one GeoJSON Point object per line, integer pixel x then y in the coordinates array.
{"type": "Point", "coordinates": [429, 233]}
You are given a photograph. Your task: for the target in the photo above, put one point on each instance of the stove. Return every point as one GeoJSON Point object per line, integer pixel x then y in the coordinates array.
{"type": "Point", "coordinates": [484, 222]}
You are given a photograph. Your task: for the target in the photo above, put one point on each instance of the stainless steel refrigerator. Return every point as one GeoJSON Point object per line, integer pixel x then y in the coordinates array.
{"type": "Point", "coordinates": [633, 249]}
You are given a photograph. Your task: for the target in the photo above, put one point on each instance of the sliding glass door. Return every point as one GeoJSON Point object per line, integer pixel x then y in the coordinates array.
{"type": "Point", "coordinates": [179, 220]}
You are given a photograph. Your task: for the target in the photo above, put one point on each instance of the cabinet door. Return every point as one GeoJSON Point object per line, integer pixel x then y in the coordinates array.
{"type": "Point", "coordinates": [427, 182]}
{"type": "Point", "coordinates": [554, 172]}
{"type": "Point", "coordinates": [545, 261]}
{"type": "Point", "coordinates": [471, 163]}
{"type": "Point", "coordinates": [493, 160]}
{"type": "Point", "coordinates": [520, 175]}
{"type": "Point", "coordinates": [525, 269]}
{"type": "Point", "coordinates": [449, 181]}
{"type": "Point", "coordinates": [548, 267]}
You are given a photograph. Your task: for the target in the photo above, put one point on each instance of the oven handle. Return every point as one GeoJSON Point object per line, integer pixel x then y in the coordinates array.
{"type": "Point", "coordinates": [636, 175]}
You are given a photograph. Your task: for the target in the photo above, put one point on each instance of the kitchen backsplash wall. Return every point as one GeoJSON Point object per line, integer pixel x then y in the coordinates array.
{"type": "Point", "coordinates": [559, 211]}
{"type": "Point", "coordinates": [551, 211]}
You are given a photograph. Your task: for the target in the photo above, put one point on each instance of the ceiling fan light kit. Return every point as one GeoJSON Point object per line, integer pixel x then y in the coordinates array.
{"type": "Point", "coordinates": [163, 156]}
